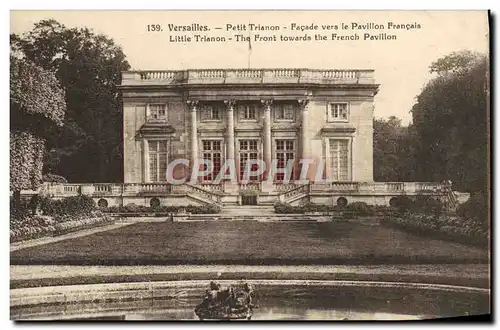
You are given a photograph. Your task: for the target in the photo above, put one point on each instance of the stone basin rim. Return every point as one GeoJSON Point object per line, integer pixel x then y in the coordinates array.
{"type": "Point", "coordinates": [146, 290]}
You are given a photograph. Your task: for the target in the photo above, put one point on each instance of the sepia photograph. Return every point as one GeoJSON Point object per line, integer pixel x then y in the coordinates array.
{"type": "Point", "coordinates": [250, 165]}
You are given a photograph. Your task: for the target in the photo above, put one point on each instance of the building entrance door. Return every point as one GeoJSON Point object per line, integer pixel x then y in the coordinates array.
{"type": "Point", "coordinates": [249, 200]}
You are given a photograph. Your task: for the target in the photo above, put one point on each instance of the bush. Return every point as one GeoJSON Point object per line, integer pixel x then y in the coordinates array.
{"type": "Point", "coordinates": [80, 205]}
{"type": "Point", "coordinates": [19, 211]}
{"type": "Point", "coordinates": [361, 208]}
{"type": "Point", "coordinates": [427, 205]}
{"type": "Point", "coordinates": [475, 209]}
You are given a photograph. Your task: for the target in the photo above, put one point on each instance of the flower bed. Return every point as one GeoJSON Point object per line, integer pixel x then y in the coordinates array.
{"type": "Point", "coordinates": [140, 210]}
{"type": "Point", "coordinates": [351, 210]}
{"type": "Point", "coordinates": [446, 227]}
{"type": "Point", "coordinates": [45, 226]}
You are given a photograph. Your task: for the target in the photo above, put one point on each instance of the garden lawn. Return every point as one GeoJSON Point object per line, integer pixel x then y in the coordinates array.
{"type": "Point", "coordinates": [249, 243]}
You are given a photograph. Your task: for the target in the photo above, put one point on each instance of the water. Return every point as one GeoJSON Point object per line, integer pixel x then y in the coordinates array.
{"type": "Point", "coordinates": [283, 303]}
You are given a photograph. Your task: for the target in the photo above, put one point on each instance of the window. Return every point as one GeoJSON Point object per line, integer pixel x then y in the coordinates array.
{"type": "Point", "coordinates": [284, 111]}
{"type": "Point", "coordinates": [158, 161]}
{"type": "Point", "coordinates": [247, 111]}
{"type": "Point", "coordinates": [285, 151]}
{"type": "Point", "coordinates": [248, 150]}
{"type": "Point", "coordinates": [157, 112]}
{"type": "Point", "coordinates": [339, 160]}
{"type": "Point", "coordinates": [210, 112]}
{"type": "Point", "coordinates": [212, 152]}
{"type": "Point", "coordinates": [338, 112]}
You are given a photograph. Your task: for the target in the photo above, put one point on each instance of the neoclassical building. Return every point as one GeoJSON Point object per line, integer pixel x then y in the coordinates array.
{"type": "Point", "coordinates": [267, 114]}
{"type": "Point", "coordinates": [243, 116]}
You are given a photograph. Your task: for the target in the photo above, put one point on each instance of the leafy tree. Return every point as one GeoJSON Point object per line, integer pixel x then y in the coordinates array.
{"type": "Point", "coordinates": [392, 151]}
{"type": "Point", "coordinates": [36, 104]}
{"type": "Point", "coordinates": [88, 66]}
{"type": "Point", "coordinates": [451, 123]}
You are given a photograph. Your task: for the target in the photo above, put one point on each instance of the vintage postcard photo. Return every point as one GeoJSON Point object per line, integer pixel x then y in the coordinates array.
{"type": "Point", "coordinates": [250, 165]}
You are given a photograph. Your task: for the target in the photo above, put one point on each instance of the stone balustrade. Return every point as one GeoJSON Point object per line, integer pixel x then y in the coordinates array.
{"type": "Point", "coordinates": [256, 76]}
{"type": "Point", "coordinates": [214, 192]}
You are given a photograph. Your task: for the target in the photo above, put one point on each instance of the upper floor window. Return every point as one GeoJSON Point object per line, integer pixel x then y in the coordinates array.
{"type": "Point", "coordinates": [157, 112]}
{"type": "Point", "coordinates": [284, 111]}
{"type": "Point", "coordinates": [247, 111]}
{"type": "Point", "coordinates": [338, 112]}
{"type": "Point", "coordinates": [210, 112]}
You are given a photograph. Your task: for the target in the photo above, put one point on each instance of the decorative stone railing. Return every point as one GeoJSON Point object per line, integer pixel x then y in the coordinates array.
{"type": "Point", "coordinates": [213, 192]}
{"type": "Point", "coordinates": [250, 186]}
{"type": "Point", "coordinates": [301, 189]}
{"type": "Point", "coordinates": [255, 76]}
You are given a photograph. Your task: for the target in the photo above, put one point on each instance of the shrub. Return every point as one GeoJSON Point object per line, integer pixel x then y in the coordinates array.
{"type": "Point", "coordinates": [427, 205]}
{"type": "Point", "coordinates": [476, 209]}
{"type": "Point", "coordinates": [360, 208]}
{"type": "Point", "coordinates": [205, 209]}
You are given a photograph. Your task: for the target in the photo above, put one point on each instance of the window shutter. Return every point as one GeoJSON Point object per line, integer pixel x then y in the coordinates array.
{"type": "Point", "coordinates": [148, 111]}
{"type": "Point", "coordinates": [166, 111]}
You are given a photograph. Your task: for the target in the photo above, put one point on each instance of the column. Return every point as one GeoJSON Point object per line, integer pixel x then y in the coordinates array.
{"type": "Point", "coordinates": [230, 129]}
{"type": "Point", "coordinates": [304, 138]}
{"type": "Point", "coordinates": [304, 128]}
{"type": "Point", "coordinates": [194, 132]}
{"type": "Point", "coordinates": [230, 132]}
{"type": "Point", "coordinates": [267, 135]}
{"type": "Point", "coordinates": [145, 161]}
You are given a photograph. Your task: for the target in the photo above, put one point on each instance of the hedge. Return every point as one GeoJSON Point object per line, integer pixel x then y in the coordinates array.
{"type": "Point", "coordinates": [137, 209]}
{"type": "Point", "coordinates": [446, 227]}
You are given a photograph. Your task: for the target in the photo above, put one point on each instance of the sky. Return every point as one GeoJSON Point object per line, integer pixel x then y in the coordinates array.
{"type": "Point", "coordinates": [401, 65]}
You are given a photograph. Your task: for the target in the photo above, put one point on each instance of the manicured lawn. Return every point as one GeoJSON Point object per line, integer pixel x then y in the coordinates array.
{"type": "Point", "coordinates": [249, 243]}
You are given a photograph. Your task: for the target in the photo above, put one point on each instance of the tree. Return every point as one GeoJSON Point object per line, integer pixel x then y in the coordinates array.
{"type": "Point", "coordinates": [451, 122]}
{"type": "Point", "coordinates": [391, 150]}
{"type": "Point", "coordinates": [88, 148]}
{"type": "Point", "coordinates": [36, 105]}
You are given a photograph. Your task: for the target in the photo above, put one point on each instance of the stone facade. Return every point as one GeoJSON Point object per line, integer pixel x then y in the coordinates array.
{"type": "Point", "coordinates": [323, 115]}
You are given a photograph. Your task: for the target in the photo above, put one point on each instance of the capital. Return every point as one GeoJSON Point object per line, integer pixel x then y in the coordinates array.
{"type": "Point", "coordinates": [229, 104]}
{"type": "Point", "coordinates": [192, 104]}
{"type": "Point", "coordinates": [267, 103]}
{"type": "Point", "coordinates": [303, 104]}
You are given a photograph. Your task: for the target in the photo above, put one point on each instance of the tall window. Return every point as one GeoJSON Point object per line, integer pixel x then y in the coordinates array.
{"type": "Point", "coordinates": [339, 160]}
{"type": "Point", "coordinates": [212, 151]}
{"type": "Point", "coordinates": [338, 112]}
{"type": "Point", "coordinates": [285, 151]}
{"type": "Point", "coordinates": [248, 150]}
{"type": "Point", "coordinates": [157, 161]}
{"type": "Point", "coordinates": [247, 111]}
{"type": "Point", "coordinates": [284, 111]}
{"type": "Point", "coordinates": [210, 112]}
{"type": "Point", "coordinates": [157, 112]}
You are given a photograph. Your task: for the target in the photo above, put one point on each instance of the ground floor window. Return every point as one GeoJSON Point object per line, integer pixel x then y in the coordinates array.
{"type": "Point", "coordinates": [248, 151]}
{"type": "Point", "coordinates": [339, 159]}
{"type": "Point", "coordinates": [285, 151]}
{"type": "Point", "coordinates": [212, 151]}
{"type": "Point", "coordinates": [158, 161]}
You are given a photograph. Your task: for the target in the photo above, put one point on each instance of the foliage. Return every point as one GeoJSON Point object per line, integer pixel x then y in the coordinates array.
{"type": "Point", "coordinates": [133, 208]}
{"type": "Point", "coordinates": [477, 209]}
{"type": "Point", "coordinates": [361, 208]}
{"type": "Point", "coordinates": [80, 205]}
{"type": "Point", "coordinates": [26, 155]}
{"type": "Point", "coordinates": [49, 177]}
{"type": "Point", "coordinates": [88, 66]}
{"type": "Point", "coordinates": [392, 151]}
{"type": "Point", "coordinates": [451, 123]}
{"type": "Point", "coordinates": [35, 95]}
{"type": "Point", "coordinates": [441, 227]}
{"type": "Point", "coordinates": [42, 226]}
{"type": "Point", "coordinates": [36, 104]}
